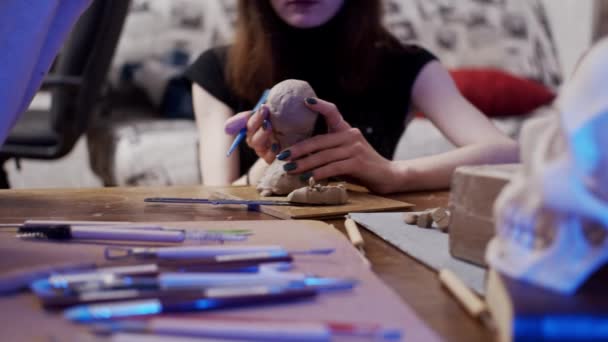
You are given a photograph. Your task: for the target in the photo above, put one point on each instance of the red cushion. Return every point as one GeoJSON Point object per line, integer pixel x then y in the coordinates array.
{"type": "Point", "coordinates": [497, 93]}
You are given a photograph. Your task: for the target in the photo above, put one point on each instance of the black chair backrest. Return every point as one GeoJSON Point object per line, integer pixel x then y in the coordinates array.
{"type": "Point", "coordinates": [78, 78]}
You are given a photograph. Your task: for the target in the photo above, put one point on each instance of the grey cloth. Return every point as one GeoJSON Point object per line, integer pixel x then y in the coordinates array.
{"type": "Point", "coordinates": [429, 246]}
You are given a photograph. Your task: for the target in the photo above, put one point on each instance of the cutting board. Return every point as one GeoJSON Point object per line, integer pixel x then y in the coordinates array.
{"type": "Point", "coordinates": [358, 201]}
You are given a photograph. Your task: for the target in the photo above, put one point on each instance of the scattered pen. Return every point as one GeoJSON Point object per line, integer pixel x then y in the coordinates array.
{"type": "Point", "coordinates": [120, 232]}
{"type": "Point", "coordinates": [242, 330]}
{"type": "Point", "coordinates": [210, 299]}
{"type": "Point", "coordinates": [192, 252]}
{"type": "Point", "coordinates": [243, 132]}
{"type": "Point", "coordinates": [250, 329]}
{"type": "Point", "coordinates": [189, 280]}
{"type": "Point", "coordinates": [166, 286]}
{"type": "Point", "coordinates": [53, 222]}
{"type": "Point", "coordinates": [19, 279]}
{"type": "Point", "coordinates": [208, 264]}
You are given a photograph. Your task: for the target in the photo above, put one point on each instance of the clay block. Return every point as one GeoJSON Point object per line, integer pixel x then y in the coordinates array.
{"type": "Point", "coordinates": [424, 220]}
{"type": "Point", "coordinates": [473, 192]}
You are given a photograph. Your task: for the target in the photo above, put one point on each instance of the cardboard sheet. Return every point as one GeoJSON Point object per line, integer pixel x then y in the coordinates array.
{"type": "Point", "coordinates": [429, 246]}
{"type": "Point", "coordinates": [358, 201]}
{"type": "Point", "coordinates": [370, 302]}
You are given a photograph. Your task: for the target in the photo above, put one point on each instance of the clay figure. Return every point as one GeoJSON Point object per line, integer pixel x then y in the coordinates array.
{"type": "Point", "coordinates": [291, 122]}
{"type": "Point", "coordinates": [319, 194]}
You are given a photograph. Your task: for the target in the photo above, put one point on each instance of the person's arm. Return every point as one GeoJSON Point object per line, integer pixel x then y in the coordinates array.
{"type": "Point", "coordinates": [479, 141]}
{"type": "Point", "coordinates": [211, 114]}
{"type": "Point", "coordinates": [346, 152]}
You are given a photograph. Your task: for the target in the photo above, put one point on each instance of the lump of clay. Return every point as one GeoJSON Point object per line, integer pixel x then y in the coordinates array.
{"type": "Point", "coordinates": [319, 194]}
{"type": "Point", "coordinates": [441, 217]}
{"type": "Point", "coordinates": [410, 218]}
{"type": "Point", "coordinates": [276, 181]}
{"type": "Point", "coordinates": [424, 220]}
{"type": "Point", "coordinates": [291, 123]}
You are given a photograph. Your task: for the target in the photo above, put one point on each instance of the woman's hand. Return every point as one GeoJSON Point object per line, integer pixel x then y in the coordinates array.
{"type": "Point", "coordinates": [259, 132]}
{"type": "Point", "coordinates": [343, 151]}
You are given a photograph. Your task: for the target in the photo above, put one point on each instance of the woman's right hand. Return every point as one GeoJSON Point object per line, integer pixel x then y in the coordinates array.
{"type": "Point", "coordinates": [259, 132]}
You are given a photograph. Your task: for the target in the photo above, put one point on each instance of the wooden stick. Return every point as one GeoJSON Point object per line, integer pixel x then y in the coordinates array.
{"type": "Point", "coordinates": [353, 233]}
{"type": "Point", "coordinates": [355, 238]}
{"type": "Point", "coordinates": [467, 298]}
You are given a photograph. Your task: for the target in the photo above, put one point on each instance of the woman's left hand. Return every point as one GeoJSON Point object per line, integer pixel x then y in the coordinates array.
{"type": "Point", "coordinates": [343, 151]}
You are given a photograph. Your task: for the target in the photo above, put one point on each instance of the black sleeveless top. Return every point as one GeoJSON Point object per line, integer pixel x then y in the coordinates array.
{"type": "Point", "coordinates": [380, 112]}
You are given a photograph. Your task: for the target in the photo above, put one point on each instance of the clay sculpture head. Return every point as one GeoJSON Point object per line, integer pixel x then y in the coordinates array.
{"type": "Point", "coordinates": [291, 120]}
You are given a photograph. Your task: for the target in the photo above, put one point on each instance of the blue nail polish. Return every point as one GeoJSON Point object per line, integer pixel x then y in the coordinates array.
{"type": "Point", "coordinates": [265, 125]}
{"type": "Point", "coordinates": [305, 176]}
{"type": "Point", "coordinates": [290, 166]}
{"type": "Point", "coordinates": [284, 155]}
{"type": "Point", "coordinates": [311, 101]}
{"type": "Point", "coordinates": [274, 147]}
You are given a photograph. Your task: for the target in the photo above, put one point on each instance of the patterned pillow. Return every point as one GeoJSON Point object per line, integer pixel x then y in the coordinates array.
{"type": "Point", "coordinates": [168, 30]}
{"type": "Point", "coordinates": [513, 35]}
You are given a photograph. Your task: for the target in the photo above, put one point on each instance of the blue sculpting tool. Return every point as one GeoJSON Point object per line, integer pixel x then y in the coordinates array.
{"type": "Point", "coordinates": [243, 132]}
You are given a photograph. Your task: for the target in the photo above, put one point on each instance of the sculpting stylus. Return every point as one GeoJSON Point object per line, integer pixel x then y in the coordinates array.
{"type": "Point", "coordinates": [180, 200]}
{"type": "Point", "coordinates": [243, 132]}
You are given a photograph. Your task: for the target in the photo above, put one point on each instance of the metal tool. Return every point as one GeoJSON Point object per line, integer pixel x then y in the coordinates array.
{"type": "Point", "coordinates": [179, 200]}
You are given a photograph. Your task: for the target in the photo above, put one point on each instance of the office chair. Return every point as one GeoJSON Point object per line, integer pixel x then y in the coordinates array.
{"type": "Point", "coordinates": [76, 83]}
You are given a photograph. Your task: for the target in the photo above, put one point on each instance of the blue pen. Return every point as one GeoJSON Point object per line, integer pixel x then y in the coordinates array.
{"type": "Point", "coordinates": [205, 300]}
{"type": "Point", "coordinates": [243, 132]}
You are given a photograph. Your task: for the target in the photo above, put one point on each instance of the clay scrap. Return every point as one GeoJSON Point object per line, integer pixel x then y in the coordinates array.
{"type": "Point", "coordinates": [437, 217]}
{"type": "Point", "coordinates": [319, 194]}
{"type": "Point", "coordinates": [276, 181]}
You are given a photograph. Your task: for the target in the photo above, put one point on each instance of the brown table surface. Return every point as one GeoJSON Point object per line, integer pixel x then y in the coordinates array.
{"type": "Point", "coordinates": [415, 283]}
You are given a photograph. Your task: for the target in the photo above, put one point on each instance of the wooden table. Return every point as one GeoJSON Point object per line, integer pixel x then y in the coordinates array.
{"type": "Point", "coordinates": [416, 284]}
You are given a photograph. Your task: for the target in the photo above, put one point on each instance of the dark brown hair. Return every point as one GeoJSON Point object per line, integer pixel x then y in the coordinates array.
{"type": "Point", "coordinates": [255, 63]}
